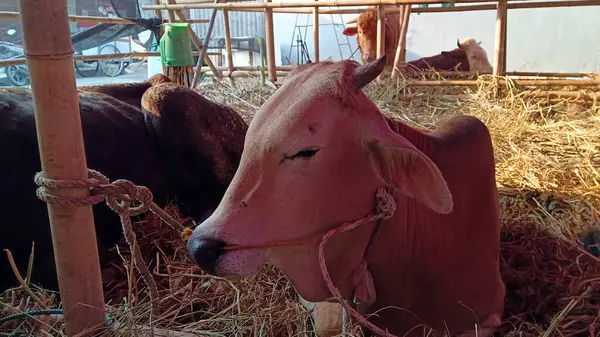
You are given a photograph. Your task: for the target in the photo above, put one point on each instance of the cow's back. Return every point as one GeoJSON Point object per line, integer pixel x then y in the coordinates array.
{"type": "Point", "coordinates": [117, 143]}
{"type": "Point", "coordinates": [451, 269]}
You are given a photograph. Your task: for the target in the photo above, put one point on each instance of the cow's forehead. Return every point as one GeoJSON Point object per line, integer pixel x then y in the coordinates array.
{"type": "Point", "coordinates": [308, 100]}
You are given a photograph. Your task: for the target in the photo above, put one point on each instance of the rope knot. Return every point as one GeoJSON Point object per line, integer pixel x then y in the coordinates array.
{"type": "Point", "coordinates": [125, 197]}
{"type": "Point", "coordinates": [386, 206]}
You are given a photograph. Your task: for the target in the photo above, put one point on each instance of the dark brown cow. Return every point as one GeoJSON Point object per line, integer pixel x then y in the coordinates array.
{"type": "Point", "coordinates": [177, 143]}
{"type": "Point", "coordinates": [455, 59]}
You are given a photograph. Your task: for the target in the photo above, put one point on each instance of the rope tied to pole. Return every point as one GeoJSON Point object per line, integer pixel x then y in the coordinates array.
{"type": "Point", "coordinates": [122, 196]}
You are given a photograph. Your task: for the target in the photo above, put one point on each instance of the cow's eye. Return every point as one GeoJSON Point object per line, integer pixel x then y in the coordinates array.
{"type": "Point", "coordinates": [304, 153]}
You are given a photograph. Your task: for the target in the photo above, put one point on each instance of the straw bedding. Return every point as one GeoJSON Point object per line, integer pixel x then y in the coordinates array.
{"type": "Point", "coordinates": [548, 174]}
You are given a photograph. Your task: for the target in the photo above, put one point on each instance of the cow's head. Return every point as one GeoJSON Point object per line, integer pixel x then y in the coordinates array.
{"type": "Point", "coordinates": [366, 34]}
{"type": "Point", "coordinates": [453, 58]}
{"type": "Point", "coordinates": [314, 156]}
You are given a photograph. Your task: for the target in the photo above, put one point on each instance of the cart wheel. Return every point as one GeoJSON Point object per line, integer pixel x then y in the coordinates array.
{"type": "Point", "coordinates": [18, 77]}
{"type": "Point", "coordinates": [111, 67]}
{"type": "Point", "coordinates": [86, 68]}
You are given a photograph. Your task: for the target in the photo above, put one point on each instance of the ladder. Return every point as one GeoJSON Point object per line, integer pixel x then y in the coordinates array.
{"type": "Point", "coordinates": [300, 32]}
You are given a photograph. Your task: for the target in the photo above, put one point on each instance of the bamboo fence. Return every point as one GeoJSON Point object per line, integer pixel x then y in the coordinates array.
{"type": "Point", "coordinates": [404, 7]}
{"type": "Point", "coordinates": [382, 7]}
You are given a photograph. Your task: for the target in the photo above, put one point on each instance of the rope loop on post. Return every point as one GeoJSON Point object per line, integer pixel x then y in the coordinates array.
{"type": "Point", "coordinates": [122, 196]}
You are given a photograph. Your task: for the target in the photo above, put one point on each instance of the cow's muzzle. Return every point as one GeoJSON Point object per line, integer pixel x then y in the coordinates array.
{"type": "Point", "coordinates": [205, 252]}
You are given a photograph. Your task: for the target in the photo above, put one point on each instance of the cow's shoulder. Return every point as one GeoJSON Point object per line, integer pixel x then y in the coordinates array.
{"type": "Point", "coordinates": [463, 134]}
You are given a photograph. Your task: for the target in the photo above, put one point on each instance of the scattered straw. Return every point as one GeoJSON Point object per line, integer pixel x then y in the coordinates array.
{"type": "Point", "coordinates": [548, 172]}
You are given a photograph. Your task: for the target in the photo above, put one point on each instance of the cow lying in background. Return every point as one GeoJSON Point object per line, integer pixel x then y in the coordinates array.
{"type": "Point", "coordinates": [468, 56]}
{"type": "Point", "coordinates": [180, 145]}
{"type": "Point", "coordinates": [455, 59]}
{"type": "Point", "coordinates": [316, 162]}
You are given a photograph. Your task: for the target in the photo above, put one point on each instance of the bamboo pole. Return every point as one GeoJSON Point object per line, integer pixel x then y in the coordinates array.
{"type": "Point", "coordinates": [380, 31]}
{"type": "Point", "coordinates": [248, 68]}
{"type": "Point", "coordinates": [205, 47]}
{"type": "Point", "coordinates": [84, 18]}
{"type": "Point", "coordinates": [49, 52]}
{"type": "Point", "coordinates": [397, 63]}
{"type": "Point", "coordinates": [227, 41]}
{"type": "Point", "coordinates": [594, 95]}
{"type": "Point", "coordinates": [316, 31]}
{"type": "Point", "coordinates": [465, 8]}
{"type": "Point", "coordinates": [544, 74]}
{"type": "Point", "coordinates": [170, 12]}
{"type": "Point", "coordinates": [195, 39]}
{"type": "Point", "coordinates": [269, 41]}
{"type": "Point", "coordinates": [380, 36]}
{"type": "Point", "coordinates": [517, 82]}
{"type": "Point", "coordinates": [404, 32]}
{"type": "Point", "coordinates": [14, 62]}
{"type": "Point", "coordinates": [158, 12]}
{"type": "Point", "coordinates": [500, 37]}
{"type": "Point", "coordinates": [294, 4]}
{"type": "Point", "coordinates": [255, 73]}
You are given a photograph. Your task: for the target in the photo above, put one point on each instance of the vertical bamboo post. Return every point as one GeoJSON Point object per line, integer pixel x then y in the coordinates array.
{"type": "Point", "coordinates": [380, 35]}
{"type": "Point", "coordinates": [228, 41]}
{"type": "Point", "coordinates": [170, 12]}
{"type": "Point", "coordinates": [380, 30]}
{"type": "Point", "coordinates": [158, 11]}
{"type": "Point", "coordinates": [49, 54]}
{"type": "Point", "coordinates": [505, 38]}
{"type": "Point", "coordinates": [204, 49]}
{"type": "Point", "coordinates": [196, 41]}
{"type": "Point", "coordinates": [270, 42]}
{"type": "Point", "coordinates": [316, 31]}
{"type": "Point", "coordinates": [500, 37]}
{"type": "Point", "coordinates": [404, 31]}
{"type": "Point", "coordinates": [400, 58]}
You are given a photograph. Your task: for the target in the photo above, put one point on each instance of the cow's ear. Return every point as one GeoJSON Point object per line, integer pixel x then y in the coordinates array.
{"type": "Point", "coordinates": [403, 167]}
{"type": "Point", "coordinates": [351, 31]}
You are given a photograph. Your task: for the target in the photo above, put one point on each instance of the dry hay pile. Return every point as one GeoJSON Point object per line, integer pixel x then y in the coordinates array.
{"type": "Point", "coordinates": [548, 173]}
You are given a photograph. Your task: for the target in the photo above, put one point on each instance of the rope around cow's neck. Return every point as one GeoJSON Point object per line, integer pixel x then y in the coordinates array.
{"type": "Point", "coordinates": [385, 208]}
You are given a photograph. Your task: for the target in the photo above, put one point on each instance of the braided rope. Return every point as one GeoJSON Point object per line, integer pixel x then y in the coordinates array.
{"type": "Point", "coordinates": [121, 196]}
{"type": "Point", "coordinates": [386, 206]}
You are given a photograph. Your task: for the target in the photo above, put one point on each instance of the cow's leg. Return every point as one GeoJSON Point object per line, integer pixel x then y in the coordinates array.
{"type": "Point", "coordinates": [486, 328]}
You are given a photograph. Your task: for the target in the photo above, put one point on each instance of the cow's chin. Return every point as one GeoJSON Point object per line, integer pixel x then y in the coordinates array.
{"type": "Point", "coordinates": [242, 263]}
{"type": "Point", "coordinates": [302, 269]}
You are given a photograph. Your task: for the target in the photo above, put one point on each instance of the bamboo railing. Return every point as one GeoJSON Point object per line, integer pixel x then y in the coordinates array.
{"type": "Point", "coordinates": [382, 7]}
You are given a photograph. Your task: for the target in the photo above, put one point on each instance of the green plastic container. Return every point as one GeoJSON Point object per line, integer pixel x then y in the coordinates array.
{"type": "Point", "coordinates": [175, 47]}
{"type": "Point", "coordinates": [423, 5]}
{"type": "Point", "coordinates": [447, 5]}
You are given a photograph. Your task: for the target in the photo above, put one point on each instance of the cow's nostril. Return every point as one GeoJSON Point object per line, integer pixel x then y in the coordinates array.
{"type": "Point", "coordinates": [205, 252]}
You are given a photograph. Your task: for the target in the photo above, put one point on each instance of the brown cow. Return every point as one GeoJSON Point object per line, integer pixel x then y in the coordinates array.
{"type": "Point", "coordinates": [314, 155]}
{"type": "Point", "coordinates": [366, 35]}
{"type": "Point", "coordinates": [455, 59]}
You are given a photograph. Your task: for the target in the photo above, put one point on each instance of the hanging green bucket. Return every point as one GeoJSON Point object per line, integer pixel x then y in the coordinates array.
{"type": "Point", "coordinates": [175, 48]}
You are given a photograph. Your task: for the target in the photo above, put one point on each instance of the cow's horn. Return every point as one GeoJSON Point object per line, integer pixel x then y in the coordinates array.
{"type": "Point", "coordinates": [352, 21]}
{"type": "Point", "coordinates": [458, 43]}
{"type": "Point", "coordinates": [366, 73]}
